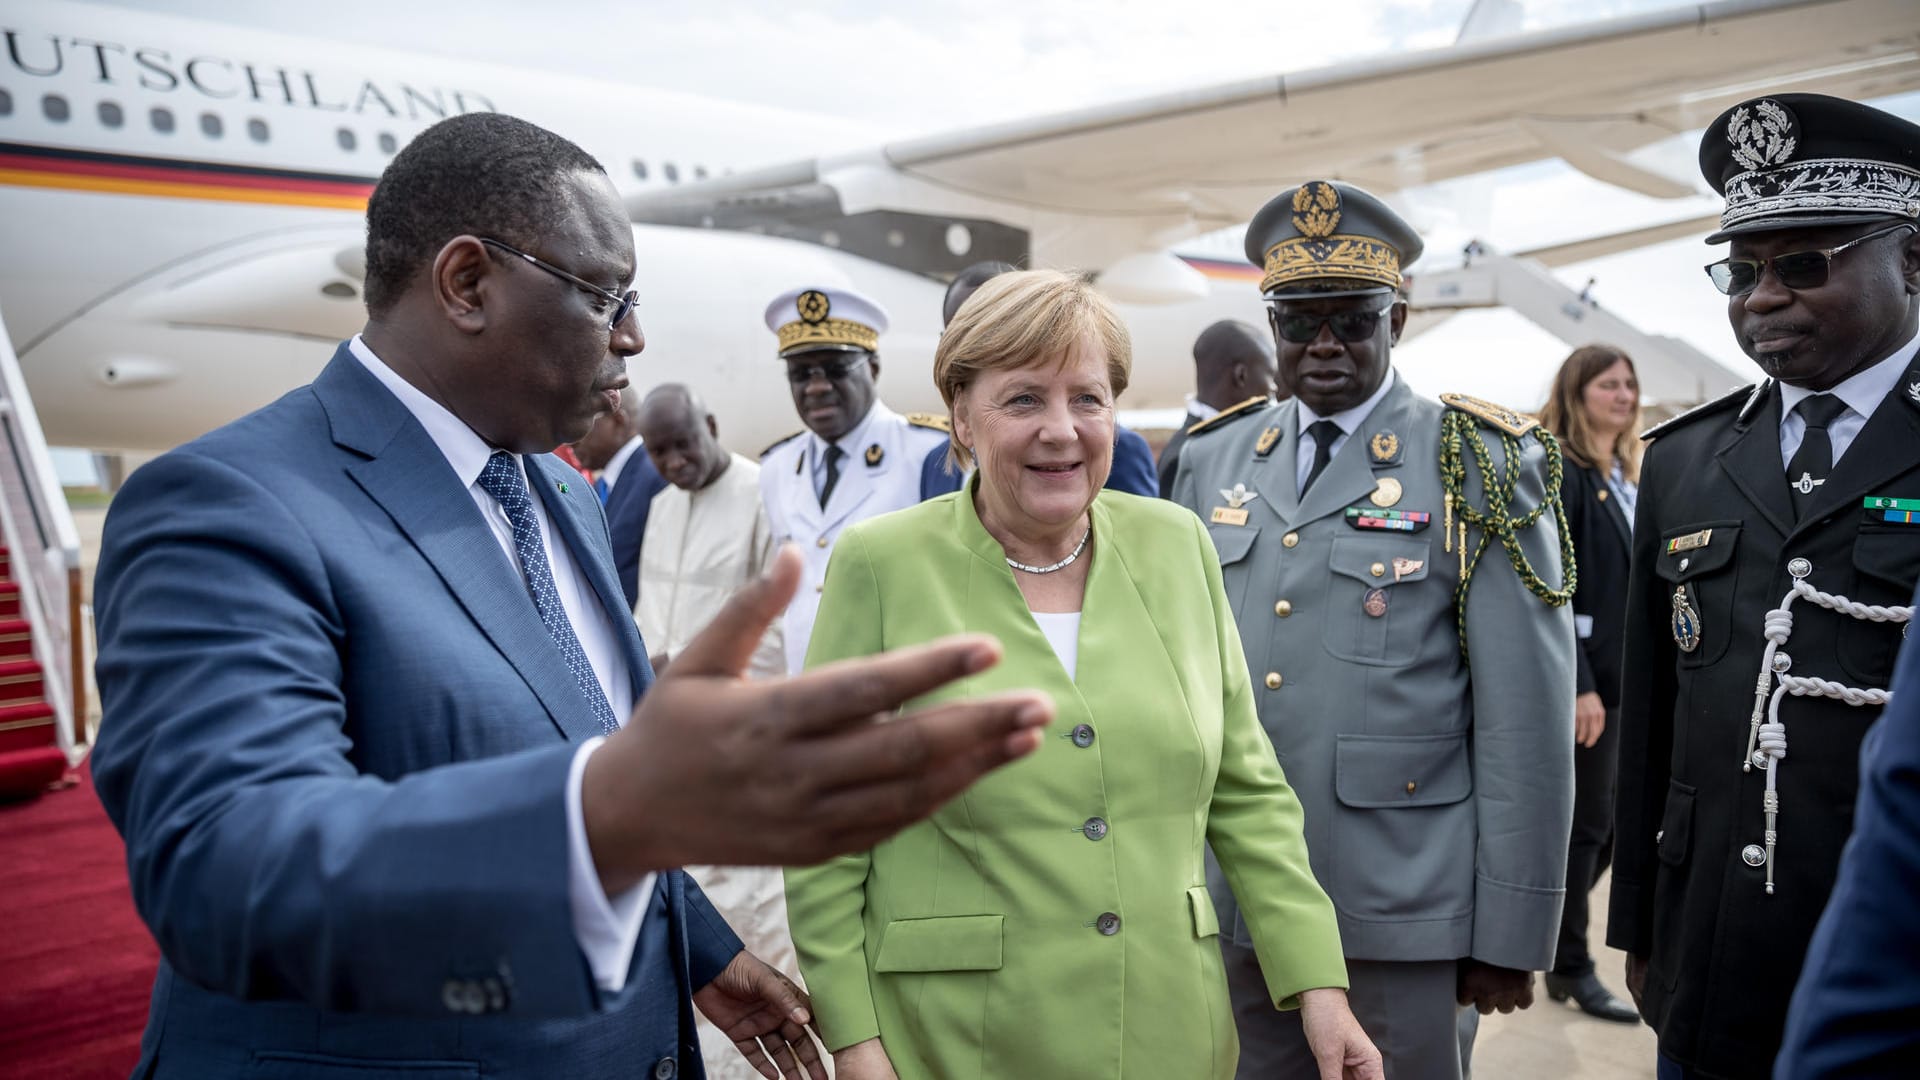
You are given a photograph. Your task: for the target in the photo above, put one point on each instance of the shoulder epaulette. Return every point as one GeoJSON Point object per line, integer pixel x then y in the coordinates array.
{"type": "Point", "coordinates": [1507, 420]}
{"type": "Point", "coordinates": [930, 420]}
{"type": "Point", "coordinates": [1743, 396]}
{"type": "Point", "coordinates": [782, 441]}
{"type": "Point", "coordinates": [1228, 415]}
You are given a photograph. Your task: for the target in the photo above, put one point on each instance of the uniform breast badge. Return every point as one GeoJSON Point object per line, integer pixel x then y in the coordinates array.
{"type": "Point", "coordinates": [1386, 492]}
{"type": "Point", "coordinates": [1267, 439]}
{"type": "Point", "coordinates": [1404, 568]}
{"type": "Point", "coordinates": [1233, 513]}
{"type": "Point", "coordinates": [1806, 484]}
{"type": "Point", "coordinates": [1375, 603]}
{"type": "Point", "coordinates": [1686, 621]}
{"type": "Point", "coordinates": [875, 455]}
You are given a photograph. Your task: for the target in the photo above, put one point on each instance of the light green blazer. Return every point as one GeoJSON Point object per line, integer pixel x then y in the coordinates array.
{"type": "Point", "coordinates": [1010, 935]}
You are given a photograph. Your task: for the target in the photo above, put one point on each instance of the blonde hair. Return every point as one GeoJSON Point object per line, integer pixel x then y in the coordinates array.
{"type": "Point", "coordinates": [1023, 318]}
{"type": "Point", "coordinates": [1565, 413]}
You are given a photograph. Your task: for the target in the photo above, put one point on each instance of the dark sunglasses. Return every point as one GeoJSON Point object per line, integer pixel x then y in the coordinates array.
{"type": "Point", "coordinates": [802, 374]}
{"type": "Point", "coordinates": [1794, 270]}
{"type": "Point", "coordinates": [623, 305]}
{"type": "Point", "coordinates": [1351, 327]}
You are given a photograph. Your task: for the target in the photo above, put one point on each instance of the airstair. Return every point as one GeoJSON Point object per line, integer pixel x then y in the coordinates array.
{"type": "Point", "coordinates": [43, 711]}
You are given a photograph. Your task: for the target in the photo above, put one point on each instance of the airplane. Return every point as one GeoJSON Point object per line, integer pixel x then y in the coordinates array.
{"type": "Point", "coordinates": [183, 198]}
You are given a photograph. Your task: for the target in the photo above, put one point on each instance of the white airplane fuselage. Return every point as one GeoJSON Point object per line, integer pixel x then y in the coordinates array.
{"type": "Point", "coordinates": [183, 205]}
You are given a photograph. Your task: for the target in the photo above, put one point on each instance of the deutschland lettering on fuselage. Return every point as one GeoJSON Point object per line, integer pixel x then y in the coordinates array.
{"type": "Point", "coordinates": [224, 79]}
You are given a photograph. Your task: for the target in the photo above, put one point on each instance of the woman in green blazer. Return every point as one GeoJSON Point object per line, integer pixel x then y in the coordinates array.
{"type": "Point", "coordinates": [1053, 921]}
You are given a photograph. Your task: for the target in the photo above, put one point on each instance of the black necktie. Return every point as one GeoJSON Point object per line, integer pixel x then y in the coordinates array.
{"type": "Point", "coordinates": [1323, 432]}
{"type": "Point", "coordinates": [834, 454]}
{"type": "Point", "coordinates": [1814, 460]}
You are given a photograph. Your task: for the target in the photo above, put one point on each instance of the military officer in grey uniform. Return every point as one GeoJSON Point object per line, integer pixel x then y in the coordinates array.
{"type": "Point", "coordinates": [1775, 546]}
{"type": "Point", "coordinates": [856, 458]}
{"type": "Point", "coordinates": [1428, 730]}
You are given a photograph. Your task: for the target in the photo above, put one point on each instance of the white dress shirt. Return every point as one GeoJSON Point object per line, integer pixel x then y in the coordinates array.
{"type": "Point", "coordinates": [1861, 392]}
{"type": "Point", "coordinates": [1348, 420]}
{"type": "Point", "coordinates": [610, 475]}
{"type": "Point", "coordinates": [1200, 410]}
{"type": "Point", "coordinates": [607, 928]}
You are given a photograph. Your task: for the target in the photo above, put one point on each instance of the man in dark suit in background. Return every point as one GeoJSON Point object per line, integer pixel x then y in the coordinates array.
{"type": "Point", "coordinates": [627, 483]}
{"type": "Point", "coordinates": [1857, 1010]}
{"type": "Point", "coordinates": [1765, 521]}
{"type": "Point", "coordinates": [1233, 367]}
{"type": "Point", "coordinates": [368, 689]}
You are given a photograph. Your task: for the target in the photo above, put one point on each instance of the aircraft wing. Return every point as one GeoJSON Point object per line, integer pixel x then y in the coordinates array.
{"type": "Point", "coordinates": [1092, 186]}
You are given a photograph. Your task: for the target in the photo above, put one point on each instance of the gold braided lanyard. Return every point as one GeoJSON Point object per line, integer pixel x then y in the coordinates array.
{"type": "Point", "coordinates": [1496, 519]}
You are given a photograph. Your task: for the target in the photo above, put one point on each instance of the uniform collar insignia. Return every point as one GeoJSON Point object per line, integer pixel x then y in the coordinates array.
{"type": "Point", "coordinates": [1385, 446]}
{"type": "Point", "coordinates": [1267, 439]}
{"type": "Point", "coordinates": [875, 455]}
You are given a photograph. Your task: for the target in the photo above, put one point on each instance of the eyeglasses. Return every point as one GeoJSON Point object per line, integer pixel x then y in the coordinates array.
{"type": "Point", "coordinates": [802, 374]}
{"type": "Point", "coordinates": [1351, 327]}
{"type": "Point", "coordinates": [623, 305]}
{"type": "Point", "coordinates": [1794, 270]}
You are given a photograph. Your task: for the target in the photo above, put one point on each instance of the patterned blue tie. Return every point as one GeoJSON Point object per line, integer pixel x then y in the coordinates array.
{"type": "Point", "coordinates": [502, 480]}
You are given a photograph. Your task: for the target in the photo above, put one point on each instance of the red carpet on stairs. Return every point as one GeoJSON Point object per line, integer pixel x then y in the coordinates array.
{"type": "Point", "coordinates": [78, 962]}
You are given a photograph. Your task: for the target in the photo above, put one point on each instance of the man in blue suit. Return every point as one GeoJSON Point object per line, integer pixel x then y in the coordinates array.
{"type": "Point", "coordinates": [1856, 1010]}
{"type": "Point", "coordinates": [369, 689]}
{"type": "Point", "coordinates": [627, 483]}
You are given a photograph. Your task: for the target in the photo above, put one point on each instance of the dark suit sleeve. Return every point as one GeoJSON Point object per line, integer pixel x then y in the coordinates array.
{"type": "Point", "coordinates": [1648, 691]}
{"type": "Point", "coordinates": [1170, 460]}
{"type": "Point", "coordinates": [1576, 497]}
{"type": "Point", "coordinates": [711, 943]}
{"type": "Point", "coordinates": [265, 863]}
{"type": "Point", "coordinates": [1856, 1011]}
{"type": "Point", "coordinates": [1132, 465]}
{"type": "Point", "coordinates": [937, 474]}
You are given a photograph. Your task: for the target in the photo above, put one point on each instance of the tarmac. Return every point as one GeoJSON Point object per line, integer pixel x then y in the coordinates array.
{"type": "Point", "coordinates": [1549, 1041]}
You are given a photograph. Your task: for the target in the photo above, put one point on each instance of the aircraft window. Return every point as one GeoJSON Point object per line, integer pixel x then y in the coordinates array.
{"type": "Point", "coordinates": [388, 144]}
{"type": "Point", "coordinates": [699, 172]}
{"type": "Point", "coordinates": [162, 119]}
{"type": "Point", "coordinates": [639, 167]}
{"type": "Point", "coordinates": [672, 172]}
{"type": "Point", "coordinates": [6, 103]}
{"type": "Point", "coordinates": [55, 107]}
{"type": "Point", "coordinates": [210, 125]}
{"type": "Point", "coordinates": [346, 138]}
{"type": "Point", "coordinates": [257, 130]}
{"type": "Point", "coordinates": [111, 115]}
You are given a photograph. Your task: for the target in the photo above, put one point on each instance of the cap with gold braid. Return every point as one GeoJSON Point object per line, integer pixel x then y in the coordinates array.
{"type": "Point", "coordinates": [821, 317]}
{"type": "Point", "coordinates": [1329, 238]}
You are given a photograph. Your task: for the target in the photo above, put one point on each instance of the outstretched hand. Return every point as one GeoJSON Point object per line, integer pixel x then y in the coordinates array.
{"type": "Point", "coordinates": [716, 769]}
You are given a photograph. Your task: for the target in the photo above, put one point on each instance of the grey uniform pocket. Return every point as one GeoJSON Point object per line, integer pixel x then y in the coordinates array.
{"type": "Point", "coordinates": [1380, 603]}
{"type": "Point", "coordinates": [1403, 834]}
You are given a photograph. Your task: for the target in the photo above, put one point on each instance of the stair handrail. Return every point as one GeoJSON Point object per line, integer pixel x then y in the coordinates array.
{"type": "Point", "coordinates": [44, 546]}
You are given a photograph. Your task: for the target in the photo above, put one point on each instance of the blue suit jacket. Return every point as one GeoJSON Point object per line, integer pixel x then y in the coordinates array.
{"type": "Point", "coordinates": [336, 739]}
{"type": "Point", "coordinates": [627, 506]}
{"type": "Point", "coordinates": [1132, 468]}
{"type": "Point", "coordinates": [1856, 1011]}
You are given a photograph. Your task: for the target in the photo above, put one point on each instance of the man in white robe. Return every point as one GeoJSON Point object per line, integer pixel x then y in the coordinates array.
{"type": "Point", "coordinates": [708, 535]}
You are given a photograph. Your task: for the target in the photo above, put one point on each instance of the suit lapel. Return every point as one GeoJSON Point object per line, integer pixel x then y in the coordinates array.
{"type": "Point", "coordinates": [570, 518]}
{"type": "Point", "coordinates": [1884, 449]}
{"type": "Point", "coordinates": [1274, 475]}
{"type": "Point", "coordinates": [1751, 459]}
{"type": "Point", "coordinates": [1610, 508]}
{"type": "Point", "coordinates": [410, 479]}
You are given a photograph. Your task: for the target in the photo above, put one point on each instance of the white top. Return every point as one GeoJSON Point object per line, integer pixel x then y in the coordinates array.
{"type": "Point", "coordinates": [607, 928]}
{"type": "Point", "coordinates": [1862, 392]}
{"type": "Point", "coordinates": [1063, 633]}
{"type": "Point", "coordinates": [1200, 410]}
{"type": "Point", "coordinates": [1348, 420]}
{"type": "Point", "coordinates": [610, 474]}
{"type": "Point", "coordinates": [699, 547]}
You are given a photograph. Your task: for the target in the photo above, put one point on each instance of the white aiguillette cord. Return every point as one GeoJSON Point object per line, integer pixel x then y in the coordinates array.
{"type": "Point", "coordinates": [1767, 742]}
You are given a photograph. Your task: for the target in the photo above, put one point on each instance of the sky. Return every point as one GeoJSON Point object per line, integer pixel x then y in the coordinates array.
{"type": "Point", "coordinates": [929, 66]}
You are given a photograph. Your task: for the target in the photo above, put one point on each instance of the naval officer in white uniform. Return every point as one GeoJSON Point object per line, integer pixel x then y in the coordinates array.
{"type": "Point", "coordinates": [856, 459]}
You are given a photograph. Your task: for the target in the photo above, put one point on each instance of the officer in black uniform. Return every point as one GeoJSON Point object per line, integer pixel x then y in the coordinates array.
{"type": "Point", "coordinates": [1777, 535]}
